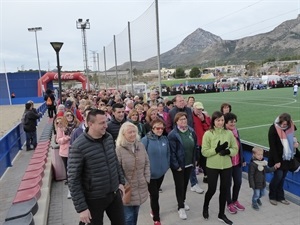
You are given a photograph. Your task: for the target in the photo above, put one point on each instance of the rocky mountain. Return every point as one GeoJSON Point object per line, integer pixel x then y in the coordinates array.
{"type": "Point", "coordinates": [202, 47]}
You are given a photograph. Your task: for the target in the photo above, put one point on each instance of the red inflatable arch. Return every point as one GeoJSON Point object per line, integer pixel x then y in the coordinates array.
{"type": "Point", "coordinates": [49, 76]}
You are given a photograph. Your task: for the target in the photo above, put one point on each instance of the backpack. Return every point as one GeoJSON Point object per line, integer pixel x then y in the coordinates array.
{"type": "Point", "coordinates": [24, 119]}
{"type": "Point", "coordinates": [49, 101]}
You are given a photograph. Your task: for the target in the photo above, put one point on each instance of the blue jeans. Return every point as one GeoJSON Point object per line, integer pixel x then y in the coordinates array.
{"type": "Point", "coordinates": [276, 185]}
{"type": "Point", "coordinates": [257, 193]}
{"type": "Point", "coordinates": [131, 214]}
{"type": "Point", "coordinates": [31, 139]}
{"type": "Point", "coordinates": [193, 177]}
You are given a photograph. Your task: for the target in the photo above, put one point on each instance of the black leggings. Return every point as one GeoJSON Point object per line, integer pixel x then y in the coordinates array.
{"type": "Point", "coordinates": [153, 188]}
{"type": "Point", "coordinates": [212, 179]}
{"type": "Point", "coordinates": [65, 161]}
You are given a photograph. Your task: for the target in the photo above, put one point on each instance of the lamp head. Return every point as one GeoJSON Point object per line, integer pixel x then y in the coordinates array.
{"type": "Point", "coordinates": [56, 46]}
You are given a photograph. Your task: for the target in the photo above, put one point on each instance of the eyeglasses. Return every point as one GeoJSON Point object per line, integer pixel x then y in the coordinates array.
{"type": "Point", "coordinates": [158, 128]}
{"type": "Point", "coordinates": [69, 115]}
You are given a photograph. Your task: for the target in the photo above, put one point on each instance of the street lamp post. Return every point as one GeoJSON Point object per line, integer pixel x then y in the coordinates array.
{"type": "Point", "coordinates": [35, 29]}
{"type": "Point", "coordinates": [83, 25]}
{"type": "Point", "coordinates": [57, 46]}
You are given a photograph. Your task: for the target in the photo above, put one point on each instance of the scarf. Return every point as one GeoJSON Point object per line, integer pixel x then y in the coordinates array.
{"type": "Point", "coordinates": [236, 159]}
{"type": "Point", "coordinates": [286, 136]}
{"type": "Point", "coordinates": [182, 128]}
{"type": "Point", "coordinates": [260, 164]}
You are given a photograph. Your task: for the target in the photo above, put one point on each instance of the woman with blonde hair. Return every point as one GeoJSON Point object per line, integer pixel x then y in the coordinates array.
{"type": "Point", "coordinates": [133, 117]}
{"type": "Point", "coordinates": [134, 161]}
{"type": "Point", "coordinates": [64, 127]}
{"type": "Point", "coordinates": [151, 115]}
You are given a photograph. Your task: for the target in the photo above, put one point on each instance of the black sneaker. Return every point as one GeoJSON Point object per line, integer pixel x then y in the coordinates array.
{"type": "Point", "coordinates": [259, 202]}
{"type": "Point", "coordinates": [205, 213]}
{"type": "Point", "coordinates": [255, 206]}
{"type": "Point", "coordinates": [205, 179]}
{"type": "Point", "coordinates": [224, 219]}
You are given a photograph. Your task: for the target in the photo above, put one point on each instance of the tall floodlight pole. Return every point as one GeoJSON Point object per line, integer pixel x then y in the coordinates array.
{"type": "Point", "coordinates": [83, 25]}
{"type": "Point", "coordinates": [158, 46]}
{"type": "Point", "coordinates": [35, 29]}
{"type": "Point", "coordinates": [57, 46]}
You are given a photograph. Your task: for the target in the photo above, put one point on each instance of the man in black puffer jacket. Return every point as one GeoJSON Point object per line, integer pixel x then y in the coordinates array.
{"type": "Point", "coordinates": [117, 119]}
{"type": "Point", "coordinates": [95, 177]}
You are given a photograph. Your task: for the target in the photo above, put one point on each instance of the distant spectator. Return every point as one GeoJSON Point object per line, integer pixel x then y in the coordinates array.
{"type": "Point", "coordinates": [50, 102]}
{"type": "Point", "coordinates": [117, 119]}
{"type": "Point", "coordinates": [295, 88]}
{"type": "Point", "coordinates": [190, 101]}
{"type": "Point", "coordinates": [70, 105]}
{"type": "Point", "coordinates": [168, 106]}
{"type": "Point", "coordinates": [29, 126]}
{"type": "Point", "coordinates": [153, 98]}
{"type": "Point", "coordinates": [225, 108]}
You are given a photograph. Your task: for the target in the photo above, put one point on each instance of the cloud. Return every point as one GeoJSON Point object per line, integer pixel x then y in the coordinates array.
{"type": "Point", "coordinates": [228, 19]}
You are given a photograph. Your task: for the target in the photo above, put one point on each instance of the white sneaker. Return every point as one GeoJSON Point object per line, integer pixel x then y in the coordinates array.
{"type": "Point", "coordinates": [182, 214]}
{"type": "Point", "coordinates": [197, 189]}
{"type": "Point", "coordinates": [186, 207]}
{"type": "Point", "coordinates": [69, 195]}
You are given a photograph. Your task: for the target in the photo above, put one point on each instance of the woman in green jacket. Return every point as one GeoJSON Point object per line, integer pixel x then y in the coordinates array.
{"type": "Point", "coordinates": [218, 145]}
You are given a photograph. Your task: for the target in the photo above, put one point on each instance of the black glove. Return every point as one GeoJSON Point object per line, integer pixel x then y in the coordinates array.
{"type": "Point", "coordinates": [218, 148]}
{"type": "Point", "coordinates": [221, 147]}
{"type": "Point", "coordinates": [224, 152]}
{"type": "Point", "coordinates": [225, 145]}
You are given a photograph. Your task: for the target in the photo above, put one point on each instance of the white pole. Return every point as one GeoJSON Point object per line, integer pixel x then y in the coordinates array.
{"type": "Point", "coordinates": [7, 84]}
{"type": "Point", "coordinates": [158, 46]}
{"type": "Point", "coordinates": [130, 59]}
{"type": "Point", "coordinates": [116, 64]}
{"type": "Point", "coordinates": [106, 85]}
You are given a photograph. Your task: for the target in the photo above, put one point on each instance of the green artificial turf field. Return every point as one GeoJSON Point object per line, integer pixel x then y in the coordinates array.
{"type": "Point", "coordinates": [256, 110]}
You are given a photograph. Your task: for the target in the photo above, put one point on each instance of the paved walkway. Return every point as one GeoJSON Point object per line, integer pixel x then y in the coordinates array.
{"type": "Point", "coordinates": [62, 210]}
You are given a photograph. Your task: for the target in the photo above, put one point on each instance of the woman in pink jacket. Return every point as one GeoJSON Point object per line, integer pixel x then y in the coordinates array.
{"type": "Point", "coordinates": [64, 127]}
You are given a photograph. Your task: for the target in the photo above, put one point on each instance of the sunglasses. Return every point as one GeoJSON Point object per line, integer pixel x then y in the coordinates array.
{"type": "Point", "coordinates": [158, 128]}
{"type": "Point", "coordinates": [58, 123]}
{"type": "Point", "coordinates": [69, 115]}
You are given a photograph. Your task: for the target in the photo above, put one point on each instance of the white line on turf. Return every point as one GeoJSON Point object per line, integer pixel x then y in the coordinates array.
{"type": "Point", "coordinates": [264, 125]}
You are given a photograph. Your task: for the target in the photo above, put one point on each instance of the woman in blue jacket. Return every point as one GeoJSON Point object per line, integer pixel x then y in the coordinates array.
{"type": "Point", "coordinates": [157, 147]}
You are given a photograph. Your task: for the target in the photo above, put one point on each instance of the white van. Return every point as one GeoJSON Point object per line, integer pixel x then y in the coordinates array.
{"type": "Point", "coordinates": [267, 78]}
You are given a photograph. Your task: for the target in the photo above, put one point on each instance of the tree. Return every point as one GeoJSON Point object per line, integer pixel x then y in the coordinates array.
{"type": "Point", "coordinates": [179, 73]}
{"type": "Point", "coordinates": [195, 72]}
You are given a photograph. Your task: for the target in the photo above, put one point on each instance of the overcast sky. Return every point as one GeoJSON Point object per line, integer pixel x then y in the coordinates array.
{"type": "Point", "coordinates": [229, 19]}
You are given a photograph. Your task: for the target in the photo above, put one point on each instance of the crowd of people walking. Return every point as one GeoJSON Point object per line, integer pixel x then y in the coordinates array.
{"type": "Point", "coordinates": [117, 148]}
